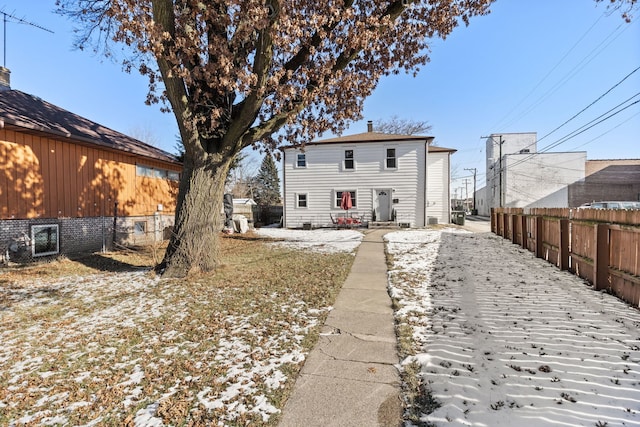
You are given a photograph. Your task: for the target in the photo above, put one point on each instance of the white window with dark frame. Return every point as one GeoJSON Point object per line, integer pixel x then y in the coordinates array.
{"type": "Point", "coordinates": [302, 200]}
{"type": "Point", "coordinates": [391, 161]}
{"type": "Point", "coordinates": [301, 160]}
{"type": "Point", "coordinates": [338, 199]}
{"type": "Point", "coordinates": [349, 161]}
{"type": "Point", "coordinates": [150, 172]}
{"type": "Point", "coordinates": [140, 228]}
{"type": "Point", "coordinates": [45, 239]}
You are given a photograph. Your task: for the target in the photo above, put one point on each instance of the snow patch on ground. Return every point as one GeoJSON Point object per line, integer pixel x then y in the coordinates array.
{"type": "Point", "coordinates": [321, 240]}
{"type": "Point", "coordinates": [505, 339]}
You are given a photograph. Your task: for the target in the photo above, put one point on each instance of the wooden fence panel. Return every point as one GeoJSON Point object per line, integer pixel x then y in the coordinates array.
{"type": "Point", "coordinates": [551, 240]}
{"type": "Point", "coordinates": [601, 246]}
{"type": "Point", "coordinates": [625, 249]}
{"type": "Point", "coordinates": [582, 250]}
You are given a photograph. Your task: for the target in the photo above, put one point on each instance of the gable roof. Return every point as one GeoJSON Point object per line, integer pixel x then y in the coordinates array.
{"type": "Point", "coordinates": [34, 115]}
{"type": "Point", "coordinates": [375, 137]}
{"type": "Point", "coordinates": [365, 137]}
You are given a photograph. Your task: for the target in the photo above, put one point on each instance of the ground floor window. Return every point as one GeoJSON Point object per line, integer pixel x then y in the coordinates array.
{"type": "Point", "coordinates": [140, 228]}
{"type": "Point", "coordinates": [45, 239]}
{"type": "Point", "coordinates": [301, 200]}
{"type": "Point", "coordinates": [338, 199]}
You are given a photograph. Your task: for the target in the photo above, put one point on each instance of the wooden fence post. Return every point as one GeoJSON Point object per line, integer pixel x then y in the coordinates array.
{"type": "Point", "coordinates": [601, 257]}
{"type": "Point", "coordinates": [514, 228]}
{"type": "Point", "coordinates": [494, 221]}
{"type": "Point", "coordinates": [539, 238]}
{"type": "Point", "coordinates": [564, 244]}
{"type": "Point", "coordinates": [505, 225]}
{"type": "Point", "coordinates": [525, 234]}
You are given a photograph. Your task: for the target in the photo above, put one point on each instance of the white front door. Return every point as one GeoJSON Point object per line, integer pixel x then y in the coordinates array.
{"type": "Point", "coordinates": [382, 204]}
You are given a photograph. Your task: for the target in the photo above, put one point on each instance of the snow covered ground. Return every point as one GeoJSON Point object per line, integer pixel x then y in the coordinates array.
{"type": "Point", "coordinates": [93, 346]}
{"type": "Point", "coordinates": [323, 240]}
{"type": "Point", "coordinates": [505, 339]}
{"type": "Point", "coordinates": [502, 339]}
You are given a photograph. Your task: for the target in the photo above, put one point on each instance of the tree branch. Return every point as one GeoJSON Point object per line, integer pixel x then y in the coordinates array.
{"type": "Point", "coordinates": [267, 128]}
{"type": "Point", "coordinates": [163, 15]}
{"type": "Point", "coordinates": [246, 112]}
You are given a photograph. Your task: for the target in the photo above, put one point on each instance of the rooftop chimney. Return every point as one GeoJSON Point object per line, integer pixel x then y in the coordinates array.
{"type": "Point", "coordinates": [5, 79]}
{"type": "Point", "coordinates": [370, 126]}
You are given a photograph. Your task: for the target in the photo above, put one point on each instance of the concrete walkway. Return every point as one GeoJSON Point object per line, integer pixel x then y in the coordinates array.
{"type": "Point", "coordinates": [349, 378]}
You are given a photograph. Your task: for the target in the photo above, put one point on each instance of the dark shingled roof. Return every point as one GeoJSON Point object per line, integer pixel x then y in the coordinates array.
{"type": "Point", "coordinates": [380, 137]}
{"type": "Point", "coordinates": [32, 114]}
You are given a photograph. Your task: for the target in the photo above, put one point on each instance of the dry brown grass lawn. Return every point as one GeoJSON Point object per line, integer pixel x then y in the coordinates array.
{"type": "Point", "coordinates": [100, 340]}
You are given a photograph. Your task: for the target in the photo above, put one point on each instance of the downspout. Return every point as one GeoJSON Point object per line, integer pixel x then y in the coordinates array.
{"type": "Point", "coordinates": [115, 222]}
{"type": "Point", "coordinates": [449, 188]}
{"type": "Point", "coordinates": [284, 189]}
{"type": "Point", "coordinates": [426, 172]}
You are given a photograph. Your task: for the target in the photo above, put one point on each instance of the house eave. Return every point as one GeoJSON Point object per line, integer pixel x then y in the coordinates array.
{"type": "Point", "coordinates": [30, 128]}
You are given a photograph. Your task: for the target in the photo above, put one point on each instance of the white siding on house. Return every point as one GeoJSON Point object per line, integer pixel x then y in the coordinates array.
{"type": "Point", "coordinates": [324, 174]}
{"type": "Point", "coordinates": [437, 205]}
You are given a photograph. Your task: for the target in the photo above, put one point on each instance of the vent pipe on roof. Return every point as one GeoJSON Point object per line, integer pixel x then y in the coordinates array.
{"type": "Point", "coordinates": [5, 79]}
{"type": "Point", "coordinates": [370, 126]}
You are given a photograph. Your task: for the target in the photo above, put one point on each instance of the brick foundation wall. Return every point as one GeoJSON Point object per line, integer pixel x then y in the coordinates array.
{"type": "Point", "coordinates": [81, 235]}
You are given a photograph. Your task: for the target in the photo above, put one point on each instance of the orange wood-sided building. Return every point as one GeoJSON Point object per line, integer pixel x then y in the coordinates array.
{"type": "Point", "coordinates": [58, 166]}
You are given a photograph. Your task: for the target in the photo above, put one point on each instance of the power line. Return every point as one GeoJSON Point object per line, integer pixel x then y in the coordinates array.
{"type": "Point", "coordinates": [608, 131]}
{"type": "Point", "coordinates": [586, 108]}
{"type": "Point", "coordinates": [551, 71]}
{"type": "Point", "coordinates": [582, 129]}
{"type": "Point", "coordinates": [590, 105]}
{"type": "Point", "coordinates": [578, 67]}
{"type": "Point", "coordinates": [586, 126]}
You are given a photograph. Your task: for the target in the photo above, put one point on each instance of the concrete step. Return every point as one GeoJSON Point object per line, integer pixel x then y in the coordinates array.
{"type": "Point", "coordinates": [383, 224]}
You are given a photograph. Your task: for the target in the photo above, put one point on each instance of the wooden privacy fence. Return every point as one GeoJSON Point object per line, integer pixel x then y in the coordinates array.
{"type": "Point", "coordinates": [601, 246]}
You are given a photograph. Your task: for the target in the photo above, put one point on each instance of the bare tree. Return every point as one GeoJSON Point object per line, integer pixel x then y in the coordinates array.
{"type": "Point", "coordinates": [397, 126]}
{"type": "Point", "coordinates": [240, 183]}
{"type": "Point", "coordinates": [145, 134]}
{"type": "Point", "coordinates": [241, 73]}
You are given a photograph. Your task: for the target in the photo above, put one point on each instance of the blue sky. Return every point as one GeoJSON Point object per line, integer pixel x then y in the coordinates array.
{"type": "Point", "coordinates": [529, 66]}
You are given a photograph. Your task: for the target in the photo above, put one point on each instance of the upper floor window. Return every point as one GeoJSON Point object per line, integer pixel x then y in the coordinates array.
{"type": "Point", "coordinates": [391, 160]}
{"type": "Point", "coordinates": [348, 159]}
{"type": "Point", "coordinates": [301, 160]}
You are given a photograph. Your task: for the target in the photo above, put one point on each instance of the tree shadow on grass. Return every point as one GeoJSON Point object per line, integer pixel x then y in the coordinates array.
{"type": "Point", "coordinates": [120, 263]}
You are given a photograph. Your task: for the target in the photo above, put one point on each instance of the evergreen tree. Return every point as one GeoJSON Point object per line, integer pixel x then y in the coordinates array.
{"type": "Point", "coordinates": [267, 189]}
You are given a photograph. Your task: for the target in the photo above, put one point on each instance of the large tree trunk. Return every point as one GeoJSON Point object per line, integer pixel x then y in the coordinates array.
{"type": "Point", "coordinates": [193, 247]}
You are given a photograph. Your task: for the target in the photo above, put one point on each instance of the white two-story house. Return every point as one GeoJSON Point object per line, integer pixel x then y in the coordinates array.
{"type": "Point", "coordinates": [399, 178]}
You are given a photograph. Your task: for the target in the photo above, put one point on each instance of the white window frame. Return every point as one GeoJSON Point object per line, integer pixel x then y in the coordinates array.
{"type": "Point", "coordinates": [306, 200]}
{"type": "Point", "coordinates": [352, 159]}
{"type": "Point", "coordinates": [337, 199]}
{"type": "Point", "coordinates": [387, 158]}
{"type": "Point", "coordinates": [39, 227]}
{"type": "Point", "coordinates": [297, 161]}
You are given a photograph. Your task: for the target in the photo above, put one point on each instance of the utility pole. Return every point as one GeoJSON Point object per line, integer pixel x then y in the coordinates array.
{"type": "Point", "coordinates": [474, 170]}
{"type": "Point", "coordinates": [500, 171]}
{"type": "Point", "coordinates": [466, 193]}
